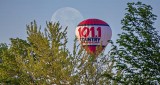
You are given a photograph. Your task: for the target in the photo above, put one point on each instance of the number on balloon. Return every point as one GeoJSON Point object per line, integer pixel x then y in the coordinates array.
{"type": "Point", "coordinates": [86, 31]}
{"type": "Point", "coordinates": [99, 31]}
{"type": "Point", "coordinates": [92, 31]}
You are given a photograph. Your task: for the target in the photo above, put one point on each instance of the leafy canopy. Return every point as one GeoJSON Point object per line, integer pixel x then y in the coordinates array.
{"type": "Point", "coordinates": [138, 51]}
{"type": "Point", "coordinates": [44, 59]}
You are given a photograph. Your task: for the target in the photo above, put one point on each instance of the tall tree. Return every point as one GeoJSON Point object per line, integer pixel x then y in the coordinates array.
{"type": "Point", "coordinates": [44, 59]}
{"type": "Point", "coordinates": [138, 50]}
{"type": "Point", "coordinates": [89, 70]}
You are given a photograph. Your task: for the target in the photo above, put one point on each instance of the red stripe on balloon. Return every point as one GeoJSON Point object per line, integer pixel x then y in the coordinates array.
{"type": "Point", "coordinates": [92, 22]}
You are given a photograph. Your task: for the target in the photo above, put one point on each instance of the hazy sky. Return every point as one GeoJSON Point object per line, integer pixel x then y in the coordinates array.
{"type": "Point", "coordinates": [15, 14]}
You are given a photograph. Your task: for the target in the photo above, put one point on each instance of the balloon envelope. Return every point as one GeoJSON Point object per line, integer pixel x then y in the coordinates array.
{"type": "Point", "coordinates": [93, 35]}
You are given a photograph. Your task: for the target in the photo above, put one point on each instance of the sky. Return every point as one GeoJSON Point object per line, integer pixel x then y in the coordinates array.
{"type": "Point", "coordinates": [16, 14]}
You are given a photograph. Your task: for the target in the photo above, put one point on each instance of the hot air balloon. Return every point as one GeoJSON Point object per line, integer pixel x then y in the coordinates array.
{"type": "Point", "coordinates": [93, 35]}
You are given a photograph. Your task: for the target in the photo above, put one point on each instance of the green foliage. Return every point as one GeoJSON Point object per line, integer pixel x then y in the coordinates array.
{"type": "Point", "coordinates": [138, 53]}
{"type": "Point", "coordinates": [44, 59]}
{"type": "Point", "coordinates": [3, 48]}
{"type": "Point", "coordinates": [89, 70]}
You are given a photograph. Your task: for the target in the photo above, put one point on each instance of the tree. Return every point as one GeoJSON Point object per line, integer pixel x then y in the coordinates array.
{"type": "Point", "coordinates": [91, 71]}
{"type": "Point", "coordinates": [138, 52]}
{"type": "Point", "coordinates": [44, 59]}
{"type": "Point", "coordinates": [3, 48]}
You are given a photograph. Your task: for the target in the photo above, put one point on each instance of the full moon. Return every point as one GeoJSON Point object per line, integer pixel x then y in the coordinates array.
{"type": "Point", "coordinates": [70, 17]}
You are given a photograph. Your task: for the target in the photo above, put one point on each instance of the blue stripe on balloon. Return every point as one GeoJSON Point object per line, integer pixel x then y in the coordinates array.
{"type": "Point", "coordinates": [93, 45]}
{"type": "Point", "coordinates": [94, 25]}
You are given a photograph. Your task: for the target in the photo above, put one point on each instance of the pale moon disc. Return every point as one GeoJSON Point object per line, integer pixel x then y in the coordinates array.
{"type": "Point", "coordinates": [70, 17]}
